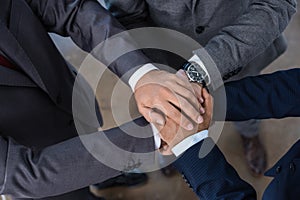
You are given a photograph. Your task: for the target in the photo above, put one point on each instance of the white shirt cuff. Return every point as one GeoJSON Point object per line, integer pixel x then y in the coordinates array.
{"type": "Point", "coordinates": [137, 75]}
{"type": "Point", "coordinates": [157, 139]}
{"type": "Point", "coordinates": [188, 142]}
{"type": "Point", "coordinates": [196, 59]}
{"type": "Point", "coordinates": [184, 145]}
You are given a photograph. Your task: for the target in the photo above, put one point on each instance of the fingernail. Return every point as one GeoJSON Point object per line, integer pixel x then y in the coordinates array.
{"type": "Point", "coordinates": [160, 122]}
{"type": "Point", "coordinates": [202, 111]}
{"type": "Point", "coordinates": [190, 127]}
{"type": "Point", "coordinates": [200, 119]}
{"type": "Point", "coordinates": [201, 100]}
{"type": "Point", "coordinates": [181, 73]}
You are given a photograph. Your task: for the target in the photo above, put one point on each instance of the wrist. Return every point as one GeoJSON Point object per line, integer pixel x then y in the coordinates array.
{"type": "Point", "coordinates": [201, 68]}
{"type": "Point", "coordinates": [139, 74]}
{"type": "Point", "coordinates": [188, 142]}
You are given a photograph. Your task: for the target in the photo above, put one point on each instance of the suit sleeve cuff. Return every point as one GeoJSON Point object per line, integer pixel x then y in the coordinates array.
{"type": "Point", "coordinates": [184, 145]}
{"type": "Point", "coordinates": [188, 142]}
{"type": "Point", "coordinates": [197, 60]}
{"type": "Point", "coordinates": [157, 139]}
{"type": "Point", "coordinates": [137, 75]}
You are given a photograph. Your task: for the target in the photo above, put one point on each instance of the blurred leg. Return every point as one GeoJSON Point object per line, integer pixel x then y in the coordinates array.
{"type": "Point", "coordinates": [253, 149]}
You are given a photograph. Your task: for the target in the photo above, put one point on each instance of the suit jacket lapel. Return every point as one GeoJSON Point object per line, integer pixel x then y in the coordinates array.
{"type": "Point", "coordinates": [28, 44]}
{"type": "Point", "coordinates": [11, 47]}
{"type": "Point", "coordinates": [13, 50]}
{"type": "Point", "coordinates": [10, 77]}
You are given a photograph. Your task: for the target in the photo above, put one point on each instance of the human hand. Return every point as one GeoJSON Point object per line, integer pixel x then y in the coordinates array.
{"type": "Point", "coordinates": [173, 96]}
{"type": "Point", "coordinates": [172, 135]}
{"type": "Point", "coordinates": [197, 88]}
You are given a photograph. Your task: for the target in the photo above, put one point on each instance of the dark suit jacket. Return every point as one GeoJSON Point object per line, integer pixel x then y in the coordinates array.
{"type": "Point", "coordinates": [36, 101]}
{"type": "Point", "coordinates": [267, 96]}
{"type": "Point", "coordinates": [236, 34]}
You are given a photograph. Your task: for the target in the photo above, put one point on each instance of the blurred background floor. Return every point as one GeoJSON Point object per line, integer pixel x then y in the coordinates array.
{"type": "Point", "coordinates": [277, 135]}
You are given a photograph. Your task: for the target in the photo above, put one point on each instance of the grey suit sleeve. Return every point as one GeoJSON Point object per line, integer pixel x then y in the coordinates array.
{"type": "Point", "coordinates": [63, 167]}
{"type": "Point", "coordinates": [89, 24]}
{"type": "Point", "coordinates": [130, 13]}
{"type": "Point", "coordinates": [250, 35]}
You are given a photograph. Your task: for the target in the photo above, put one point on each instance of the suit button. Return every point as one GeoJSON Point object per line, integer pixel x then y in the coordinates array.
{"type": "Point", "coordinates": [278, 169]}
{"type": "Point", "coordinates": [200, 29]}
{"type": "Point", "coordinates": [292, 167]}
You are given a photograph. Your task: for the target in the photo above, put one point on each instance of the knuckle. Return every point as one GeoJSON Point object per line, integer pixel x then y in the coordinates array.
{"type": "Point", "coordinates": [167, 92]}
{"type": "Point", "coordinates": [175, 114]}
{"type": "Point", "coordinates": [140, 108]}
{"type": "Point", "coordinates": [184, 104]}
{"type": "Point", "coordinates": [173, 77]}
{"type": "Point", "coordinates": [185, 122]}
{"type": "Point", "coordinates": [190, 95]}
{"type": "Point", "coordinates": [168, 83]}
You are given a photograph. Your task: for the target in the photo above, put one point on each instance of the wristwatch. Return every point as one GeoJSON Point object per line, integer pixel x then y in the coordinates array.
{"type": "Point", "coordinates": [195, 73]}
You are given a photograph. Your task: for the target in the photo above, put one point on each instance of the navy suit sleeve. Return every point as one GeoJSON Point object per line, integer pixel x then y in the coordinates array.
{"type": "Point", "coordinates": [212, 177]}
{"type": "Point", "coordinates": [66, 166]}
{"type": "Point", "coordinates": [274, 95]}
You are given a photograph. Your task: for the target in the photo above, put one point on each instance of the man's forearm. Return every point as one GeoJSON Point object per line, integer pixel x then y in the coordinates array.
{"type": "Point", "coordinates": [248, 36]}
{"type": "Point", "coordinates": [212, 177]}
{"type": "Point", "coordinates": [131, 14]}
{"type": "Point", "coordinates": [89, 24]}
{"type": "Point", "coordinates": [55, 170]}
{"type": "Point", "coordinates": [68, 166]}
{"type": "Point", "coordinates": [274, 95]}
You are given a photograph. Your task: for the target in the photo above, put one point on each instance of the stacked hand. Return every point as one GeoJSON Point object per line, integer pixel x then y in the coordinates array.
{"type": "Point", "coordinates": [172, 135]}
{"type": "Point", "coordinates": [176, 107]}
{"type": "Point", "coordinates": [171, 95]}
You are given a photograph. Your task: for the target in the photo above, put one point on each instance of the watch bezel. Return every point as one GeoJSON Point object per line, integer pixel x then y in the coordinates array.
{"type": "Point", "coordinates": [201, 78]}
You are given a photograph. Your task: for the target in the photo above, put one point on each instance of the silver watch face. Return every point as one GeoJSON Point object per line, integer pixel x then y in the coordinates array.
{"type": "Point", "coordinates": [194, 75]}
